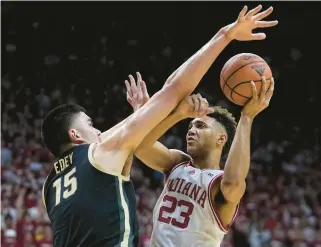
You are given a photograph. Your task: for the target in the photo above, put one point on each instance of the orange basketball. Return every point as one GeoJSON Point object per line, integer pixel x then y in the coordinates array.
{"type": "Point", "coordinates": [237, 74]}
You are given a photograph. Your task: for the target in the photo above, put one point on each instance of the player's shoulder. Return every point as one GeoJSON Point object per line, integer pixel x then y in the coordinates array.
{"type": "Point", "coordinates": [213, 174]}
{"type": "Point", "coordinates": [179, 158]}
{"type": "Point", "coordinates": [108, 162]}
{"type": "Point", "coordinates": [215, 171]}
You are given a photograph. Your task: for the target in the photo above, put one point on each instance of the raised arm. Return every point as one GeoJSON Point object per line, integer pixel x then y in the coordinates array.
{"type": "Point", "coordinates": [184, 80]}
{"type": "Point", "coordinates": [179, 85]}
{"type": "Point", "coordinates": [238, 161]}
{"type": "Point", "coordinates": [151, 152]}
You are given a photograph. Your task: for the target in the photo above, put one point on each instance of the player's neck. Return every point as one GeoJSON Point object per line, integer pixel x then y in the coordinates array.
{"type": "Point", "coordinates": [209, 160]}
{"type": "Point", "coordinates": [66, 147]}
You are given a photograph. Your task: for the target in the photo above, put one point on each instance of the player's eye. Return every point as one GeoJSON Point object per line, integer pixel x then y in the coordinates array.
{"type": "Point", "coordinates": [201, 125]}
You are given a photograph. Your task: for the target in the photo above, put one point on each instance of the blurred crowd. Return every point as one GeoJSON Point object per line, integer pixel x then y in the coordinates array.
{"type": "Point", "coordinates": [282, 204]}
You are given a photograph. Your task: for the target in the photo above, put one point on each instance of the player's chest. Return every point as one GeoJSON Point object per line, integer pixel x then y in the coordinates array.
{"type": "Point", "coordinates": [191, 186]}
{"type": "Point", "coordinates": [188, 176]}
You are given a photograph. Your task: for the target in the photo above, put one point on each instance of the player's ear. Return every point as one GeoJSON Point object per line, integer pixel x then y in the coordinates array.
{"type": "Point", "coordinates": [221, 138]}
{"type": "Point", "coordinates": [75, 136]}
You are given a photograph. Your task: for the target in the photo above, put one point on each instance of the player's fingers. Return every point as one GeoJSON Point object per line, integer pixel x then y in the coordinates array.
{"type": "Point", "coordinates": [133, 85]}
{"type": "Point", "coordinates": [254, 91]}
{"type": "Point", "coordinates": [139, 92]}
{"type": "Point", "coordinates": [139, 76]}
{"type": "Point", "coordinates": [253, 12]}
{"type": "Point", "coordinates": [258, 36]}
{"type": "Point", "coordinates": [209, 110]}
{"type": "Point", "coordinates": [129, 91]}
{"type": "Point", "coordinates": [202, 110]}
{"type": "Point", "coordinates": [205, 102]}
{"type": "Point", "coordinates": [196, 103]}
{"type": "Point", "coordinates": [129, 98]}
{"type": "Point", "coordinates": [263, 24]}
{"type": "Point", "coordinates": [263, 89]}
{"type": "Point", "coordinates": [139, 86]}
{"type": "Point", "coordinates": [269, 94]}
{"type": "Point", "coordinates": [270, 91]}
{"type": "Point", "coordinates": [199, 106]}
{"type": "Point", "coordinates": [144, 89]}
{"type": "Point", "coordinates": [190, 100]}
{"type": "Point", "coordinates": [132, 82]}
{"type": "Point", "coordinates": [243, 12]}
{"type": "Point", "coordinates": [203, 105]}
{"type": "Point", "coordinates": [263, 14]}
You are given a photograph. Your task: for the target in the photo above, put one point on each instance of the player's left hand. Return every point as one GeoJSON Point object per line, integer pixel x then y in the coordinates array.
{"type": "Point", "coordinates": [137, 94]}
{"type": "Point", "coordinates": [242, 28]}
{"type": "Point", "coordinates": [258, 102]}
{"type": "Point", "coordinates": [193, 106]}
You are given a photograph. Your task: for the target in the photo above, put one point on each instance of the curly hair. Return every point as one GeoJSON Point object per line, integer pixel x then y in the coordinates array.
{"type": "Point", "coordinates": [226, 119]}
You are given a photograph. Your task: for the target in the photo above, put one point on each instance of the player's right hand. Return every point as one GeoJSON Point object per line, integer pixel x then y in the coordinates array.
{"type": "Point", "coordinates": [194, 106]}
{"type": "Point", "coordinates": [246, 22]}
{"type": "Point", "coordinates": [137, 94]}
{"type": "Point", "coordinates": [259, 101]}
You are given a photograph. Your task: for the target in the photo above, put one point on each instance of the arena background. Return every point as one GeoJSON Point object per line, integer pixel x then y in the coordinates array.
{"type": "Point", "coordinates": [55, 52]}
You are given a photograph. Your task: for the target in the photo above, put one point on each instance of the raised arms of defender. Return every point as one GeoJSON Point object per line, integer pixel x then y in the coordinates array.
{"type": "Point", "coordinates": [129, 133]}
{"type": "Point", "coordinates": [162, 157]}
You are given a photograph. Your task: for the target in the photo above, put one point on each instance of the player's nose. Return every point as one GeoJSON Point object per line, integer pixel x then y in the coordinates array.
{"type": "Point", "coordinates": [191, 132]}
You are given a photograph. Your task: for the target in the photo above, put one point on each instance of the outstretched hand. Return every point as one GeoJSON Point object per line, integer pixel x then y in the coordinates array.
{"type": "Point", "coordinates": [246, 22]}
{"type": "Point", "coordinates": [137, 94]}
{"type": "Point", "coordinates": [260, 101]}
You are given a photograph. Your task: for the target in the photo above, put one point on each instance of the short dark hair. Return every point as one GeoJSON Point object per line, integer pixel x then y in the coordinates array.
{"type": "Point", "coordinates": [55, 126]}
{"type": "Point", "coordinates": [226, 119]}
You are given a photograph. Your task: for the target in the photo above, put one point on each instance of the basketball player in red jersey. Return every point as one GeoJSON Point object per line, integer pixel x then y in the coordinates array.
{"type": "Point", "coordinates": [199, 201]}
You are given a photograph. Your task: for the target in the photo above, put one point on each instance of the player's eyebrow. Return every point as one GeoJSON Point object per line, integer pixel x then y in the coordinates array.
{"type": "Point", "coordinates": [200, 122]}
{"type": "Point", "coordinates": [90, 121]}
{"type": "Point", "coordinates": [196, 122]}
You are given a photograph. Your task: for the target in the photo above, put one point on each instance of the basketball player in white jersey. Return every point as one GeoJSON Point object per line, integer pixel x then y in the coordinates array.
{"type": "Point", "coordinates": [199, 201]}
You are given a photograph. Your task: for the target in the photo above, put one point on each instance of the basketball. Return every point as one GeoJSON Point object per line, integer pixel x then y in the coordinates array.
{"type": "Point", "coordinates": [237, 74]}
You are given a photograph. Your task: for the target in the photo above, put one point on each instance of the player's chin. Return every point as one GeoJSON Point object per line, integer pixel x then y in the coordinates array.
{"type": "Point", "coordinates": [191, 149]}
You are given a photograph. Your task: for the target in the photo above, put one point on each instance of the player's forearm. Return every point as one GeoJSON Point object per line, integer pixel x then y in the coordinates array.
{"type": "Point", "coordinates": [157, 132]}
{"type": "Point", "coordinates": [189, 74]}
{"type": "Point", "coordinates": [238, 161]}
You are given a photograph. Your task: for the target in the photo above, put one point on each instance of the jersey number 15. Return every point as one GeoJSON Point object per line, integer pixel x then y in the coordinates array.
{"type": "Point", "coordinates": [69, 185]}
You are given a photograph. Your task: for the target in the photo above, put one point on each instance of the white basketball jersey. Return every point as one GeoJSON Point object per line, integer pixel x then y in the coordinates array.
{"type": "Point", "coordinates": [184, 215]}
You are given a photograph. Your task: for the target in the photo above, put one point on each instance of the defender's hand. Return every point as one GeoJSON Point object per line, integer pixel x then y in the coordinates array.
{"type": "Point", "coordinates": [137, 94]}
{"type": "Point", "coordinates": [258, 103]}
{"type": "Point", "coordinates": [242, 28]}
{"type": "Point", "coordinates": [193, 106]}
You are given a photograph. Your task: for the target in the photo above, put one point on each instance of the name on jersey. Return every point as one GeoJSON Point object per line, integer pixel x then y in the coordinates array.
{"type": "Point", "coordinates": [193, 191]}
{"type": "Point", "coordinates": [63, 163]}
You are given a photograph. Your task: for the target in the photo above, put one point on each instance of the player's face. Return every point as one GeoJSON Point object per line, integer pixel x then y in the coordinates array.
{"type": "Point", "coordinates": [203, 136]}
{"type": "Point", "coordinates": [83, 130]}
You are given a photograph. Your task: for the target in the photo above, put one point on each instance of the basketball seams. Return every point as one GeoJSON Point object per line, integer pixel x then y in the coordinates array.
{"type": "Point", "coordinates": [244, 65]}
{"type": "Point", "coordinates": [236, 92]}
{"type": "Point", "coordinates": [234, 88]}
